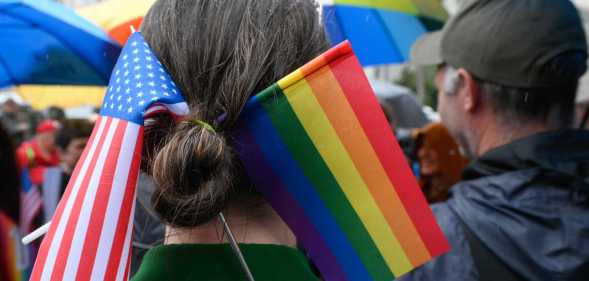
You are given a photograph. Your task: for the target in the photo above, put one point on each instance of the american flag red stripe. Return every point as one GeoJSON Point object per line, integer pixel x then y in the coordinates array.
{"type": "Point", "coordinates": [31, 206]}
{"type": "Point", "coordinates": [42, 255]}
{"type": "Point", "coordinates": [128, 168]}
{"type": "Point", "coordinates": [124, 221]}
{"type": "Point", "coordinates": [89, 248]}
{"type": "Point", "coordinates": [63, 251]}
{"type": "Point", "coordinates": [176, 110]}
{"type": "Point", "coordinates": [99, 210]}
{"type": "Point", "coordinates": [124, 259]}
{"type": "Point", "coordinates": [128, 269]}
{"type": "Point", "coordinates": [91, 232]}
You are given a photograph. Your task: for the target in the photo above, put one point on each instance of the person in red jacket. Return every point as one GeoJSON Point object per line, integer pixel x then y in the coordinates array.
{"type": "Point", "coordinates": [40, 152]}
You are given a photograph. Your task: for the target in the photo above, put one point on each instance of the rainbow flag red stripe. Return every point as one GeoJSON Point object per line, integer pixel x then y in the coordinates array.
{"type": "Point", "coordinates": [318, 146]}
{"type": "Point", "coordinates": [13, 259]}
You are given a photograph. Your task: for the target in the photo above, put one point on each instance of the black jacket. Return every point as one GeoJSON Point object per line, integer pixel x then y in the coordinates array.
{"type": "Point", "coordinates": [528, 202]}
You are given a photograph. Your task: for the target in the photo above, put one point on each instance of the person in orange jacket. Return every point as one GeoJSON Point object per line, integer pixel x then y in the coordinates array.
{"type": "Point", "coordinates": [440, 161]}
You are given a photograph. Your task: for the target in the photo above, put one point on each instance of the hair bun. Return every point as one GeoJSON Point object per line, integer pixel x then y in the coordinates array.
{"type": "Point", "coordinates": [193, 173]}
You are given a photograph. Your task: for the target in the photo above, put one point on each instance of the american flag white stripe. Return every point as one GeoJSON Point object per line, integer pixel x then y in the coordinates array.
{"type": "Point", "coordinates": [83, 224]}
{"type": "Point", "coordinates": [100, 206]}
{"type": "Point", "coordinates": [91, 232]}
{"type": "Point", "coordinates": [125, 213]}
{"type": "Point", "coordinates": [178, 109]}
{"type": "Point", "coordinates": [32, 203]}
{"type": "Point", "coordinates": [63, 253]}
{"type": "Point", "coordinates": [44, 268]}
{"type": "Point", "coordinates": [70, 227]}
{"type": "Point", "coordinates": [127, 249]}
{"type": "Point", "coordinates": [45, 246]}
{"type": "Point", "coordinates": [115, 202]}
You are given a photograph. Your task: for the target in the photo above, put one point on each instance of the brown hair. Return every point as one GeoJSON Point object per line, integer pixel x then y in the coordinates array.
{"type": "Point", "coordinates": [219, 53]}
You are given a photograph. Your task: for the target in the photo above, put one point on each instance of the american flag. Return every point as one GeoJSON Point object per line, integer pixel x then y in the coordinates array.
{"type": "Point", "coordinates": [31, 202]}
{"type": "Point", "coordinates": [91, 231]}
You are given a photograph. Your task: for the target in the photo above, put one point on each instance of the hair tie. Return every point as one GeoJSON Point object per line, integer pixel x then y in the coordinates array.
{"type": "Point", "coordinates": [202, 124]}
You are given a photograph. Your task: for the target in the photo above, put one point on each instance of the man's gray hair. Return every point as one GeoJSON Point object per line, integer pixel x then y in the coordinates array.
{"type": "Point", "coordinates": [451, 79]}
{"type": "Point", "coordinates": [552, 106]}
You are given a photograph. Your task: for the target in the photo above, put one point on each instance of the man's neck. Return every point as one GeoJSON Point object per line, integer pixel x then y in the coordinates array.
{"type": "Point", "coordinates": [494, 135]}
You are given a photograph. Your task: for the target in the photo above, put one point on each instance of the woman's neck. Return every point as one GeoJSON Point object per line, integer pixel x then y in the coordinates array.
{"type": "Point", "coordinates": [257, 225]}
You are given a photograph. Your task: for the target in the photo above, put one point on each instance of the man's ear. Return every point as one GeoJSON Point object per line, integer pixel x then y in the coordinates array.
{"type": "Point", "coordinates": [468, 88]}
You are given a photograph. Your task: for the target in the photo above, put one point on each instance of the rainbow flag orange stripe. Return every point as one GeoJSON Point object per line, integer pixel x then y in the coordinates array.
{"type": "Point", "coordinates": [318, 146]}
{"type": "Point", "coordinates": [13, 260]}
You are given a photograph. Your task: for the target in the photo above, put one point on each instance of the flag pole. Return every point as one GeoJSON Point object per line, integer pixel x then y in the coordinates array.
{"type": "Point", "coordinates": [36, 234]}
{"type": "Point", "coordinates": [235, 248]}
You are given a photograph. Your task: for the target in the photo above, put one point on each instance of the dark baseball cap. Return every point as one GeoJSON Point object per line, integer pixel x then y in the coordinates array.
{"type": "Point", "coordinates": [506, 41]}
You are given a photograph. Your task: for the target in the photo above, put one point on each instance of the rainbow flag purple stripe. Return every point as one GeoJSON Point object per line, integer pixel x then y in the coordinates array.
{"type": "Point", "coordinates": [13, 259]}
{"type": "Point", "coordinates": [319, 148]}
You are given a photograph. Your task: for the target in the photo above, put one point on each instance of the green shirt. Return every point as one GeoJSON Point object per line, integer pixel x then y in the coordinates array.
{"type": "Point", "coordinates": [217, 262]}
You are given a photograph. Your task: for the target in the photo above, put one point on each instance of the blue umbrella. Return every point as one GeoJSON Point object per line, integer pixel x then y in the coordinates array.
{"type": "Point", "coordinates": [43, 42]}
{"type": "Point", "coordinates": [381, 31]}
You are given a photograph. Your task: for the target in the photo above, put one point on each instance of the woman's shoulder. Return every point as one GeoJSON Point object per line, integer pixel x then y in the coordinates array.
{"type": "Point", "coordinates": [218, 262]}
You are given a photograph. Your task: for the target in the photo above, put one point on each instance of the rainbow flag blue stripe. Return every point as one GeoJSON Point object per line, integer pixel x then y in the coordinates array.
{"type": "Point", "coordinates": [319, 148]}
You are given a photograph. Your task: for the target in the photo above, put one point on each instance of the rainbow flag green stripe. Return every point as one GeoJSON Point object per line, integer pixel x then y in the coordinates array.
{"type": "Point", "coordinates": [319, 139]}
{"type": "Point", "coordinates": [285, 120]}
{"type": "Point", "coordinates": [13, 269]}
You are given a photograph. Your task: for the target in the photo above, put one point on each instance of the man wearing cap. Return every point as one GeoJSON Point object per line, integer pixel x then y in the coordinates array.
{"type": "Point", "coordinates": [507, 76]}
{"type": "Point", "coordinates": [40, 152]}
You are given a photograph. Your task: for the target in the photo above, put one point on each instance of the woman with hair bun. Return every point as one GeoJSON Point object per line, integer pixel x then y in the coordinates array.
{"type": "Point", "coordinates": [220, 53]}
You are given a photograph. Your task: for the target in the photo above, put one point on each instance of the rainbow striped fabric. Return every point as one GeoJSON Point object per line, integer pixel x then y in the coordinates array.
{"type": "Point", "coordinates": [319, 148]}
{"type": "Point", "coordinates": [14, 265]}
{"type": "Point", "coordinates": [381, 31]}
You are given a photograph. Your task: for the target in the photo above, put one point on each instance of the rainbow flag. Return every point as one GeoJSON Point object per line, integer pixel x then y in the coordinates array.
{"type": "Point", "coordinates": [14, 264]}
{"type": "Point", "coordinates": [319, 148]}
{"type": "Point", "coordinates": [381, 31]}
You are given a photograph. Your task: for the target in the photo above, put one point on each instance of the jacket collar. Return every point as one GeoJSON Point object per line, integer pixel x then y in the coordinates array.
{"type": "Point", "coordinates": [565, 151]}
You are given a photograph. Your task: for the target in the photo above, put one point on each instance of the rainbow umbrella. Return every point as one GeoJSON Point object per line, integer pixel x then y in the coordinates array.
{"type": "Point", "coordinates": [117, 16]}
{"type": "Point", "coordinates": [381, 31]}
{"type": "Point", "coordinates": [43, 42]}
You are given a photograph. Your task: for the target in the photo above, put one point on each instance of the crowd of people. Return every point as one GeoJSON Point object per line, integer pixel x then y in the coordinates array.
{"type": "Point", "coordinates": [39, 152]}
{"type": "Point", "coordinates": [506, 172]}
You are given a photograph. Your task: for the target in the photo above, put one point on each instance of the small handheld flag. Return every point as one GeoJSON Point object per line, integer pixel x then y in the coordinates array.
{"type": "Point", "coordinates": [316, 144]}
{"type": "Point", "coordinates": [319, 148]}
{"type": "Point", "coordinates": [31, 202]}
{"type": "Point", "coordinates": [89, 237]}
{"type": "Point", "coordinates": [14, 257]}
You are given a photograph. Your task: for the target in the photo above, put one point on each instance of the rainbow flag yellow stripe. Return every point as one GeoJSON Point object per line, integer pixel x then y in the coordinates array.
{"type": "Point", "coordinates": [317, 145]}
{"type": "Point", "coordinates": [12, 258]}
